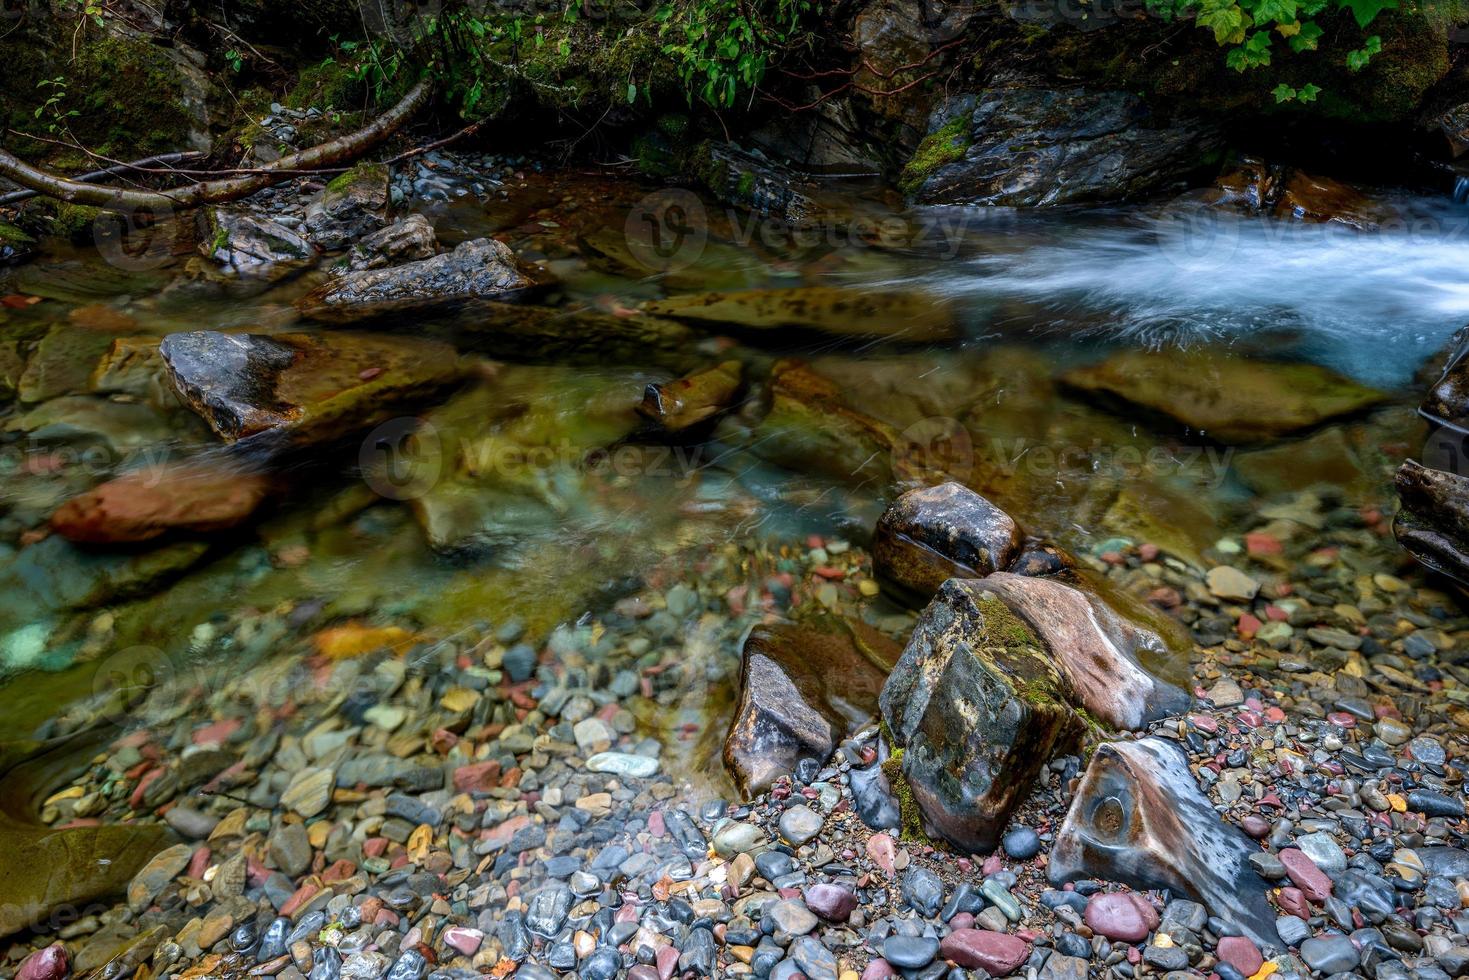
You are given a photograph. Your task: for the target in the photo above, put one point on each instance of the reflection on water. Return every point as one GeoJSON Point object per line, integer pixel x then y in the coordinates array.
{"type": "Point", "coordinates": [536, 495]}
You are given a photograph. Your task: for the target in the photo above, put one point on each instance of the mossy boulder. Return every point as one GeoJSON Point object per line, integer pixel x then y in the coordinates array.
{"type": "Point", "coordinates": [977, 706]}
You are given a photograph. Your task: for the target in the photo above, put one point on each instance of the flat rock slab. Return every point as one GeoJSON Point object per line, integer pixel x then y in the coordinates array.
{"type": "Point", "coordinates": [1228, 399]}
{"type": "Point", "coordinates": [1139, 818]}
{"type": "Point", "coordinates": [479, 269]}
{"type": "Point", "coordinates": [313, 386]}
{"type": "Point", "coordinates": [193, 497]}
{"type": "Point", "coordinates": [802, 689]}
{"type": "Point", "coordinates": [896, 315]}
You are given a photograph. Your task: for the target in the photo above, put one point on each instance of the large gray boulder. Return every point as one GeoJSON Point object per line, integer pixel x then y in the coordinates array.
{"type": "Point", "coordinates": [1024, 144]}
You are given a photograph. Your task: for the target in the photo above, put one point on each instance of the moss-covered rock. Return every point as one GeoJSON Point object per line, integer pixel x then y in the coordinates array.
{"type": "Point", "coordinates": [944, 145]}
{"type": "Point", "coordinates": [977, 706]}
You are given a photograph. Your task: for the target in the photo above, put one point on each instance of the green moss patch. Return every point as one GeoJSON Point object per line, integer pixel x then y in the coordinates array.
{"type": "Point", "coordinates": [946, 144]}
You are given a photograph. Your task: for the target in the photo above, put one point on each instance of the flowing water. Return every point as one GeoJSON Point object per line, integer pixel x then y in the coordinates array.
{"type": "Point", "coordinates": [529, 503]}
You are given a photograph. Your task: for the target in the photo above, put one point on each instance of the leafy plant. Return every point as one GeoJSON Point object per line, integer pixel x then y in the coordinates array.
{"type": "Point", "coordinates": [723, 48]}
{"type": "Point", "coordinates": [1247, 29]}
{"type": "Point", "coordinates": [53, 110]}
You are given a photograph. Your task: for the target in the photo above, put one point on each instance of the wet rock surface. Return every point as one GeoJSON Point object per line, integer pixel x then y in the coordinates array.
{"type": "Point", "coordinates": [252, 246]}
{"type": "Point", "coordinates": [803, 688]}
{"type": "Point", "coordinates": [479, 269]}
{"type": "Point", "coordinates": [148, 503]}
{"type": "Point", "coordinates": [1227, 399]}
{"type": "Point", "coordinates": [1037, 146]}
{"type": "Point", "coordinates": [315, 386]}
{"type": "Point", "coordinates": [932, 534]}
{"type": "Point", "coordinates": [977, 707]}
{"type": "Point", "coordinates": [1138, 818]}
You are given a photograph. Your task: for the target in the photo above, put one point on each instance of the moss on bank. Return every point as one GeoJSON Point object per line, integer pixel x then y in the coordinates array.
{"type": "Point", "coordinates": [946, 144]}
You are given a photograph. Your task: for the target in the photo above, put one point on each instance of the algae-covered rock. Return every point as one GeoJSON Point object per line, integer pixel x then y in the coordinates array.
{"type": "Point", "coordinates": [480, 269]}
{"type": "Point", "coordinates": [685, 402]}
{"type": "Point", "coordinates": [312, 387]}
{"type": "Point", "coordinates": [124, 426]}
{"type": "Point", "coordinates": [977, 706]}
{"type": "Point", "coordinates": [1096, 652]}
{"type": "Point", "coordinates": [547, 334]}
{"type": "Point", "coordinates": [1228, 399]}
{"type": "Point", "coordinates": [803, 687]}
{"type": "Point", "coordinates": [62, 363]}
{"type": "Point", "coordinates": [889, 314]}
{"type": "Point", "coordinates": [811, 427]}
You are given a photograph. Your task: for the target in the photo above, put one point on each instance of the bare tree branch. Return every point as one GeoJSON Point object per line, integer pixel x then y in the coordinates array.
{"type": "Point", "coordinates": [346, 147]}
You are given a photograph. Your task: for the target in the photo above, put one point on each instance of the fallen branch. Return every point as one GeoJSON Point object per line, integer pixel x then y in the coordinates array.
{"type": "Point", "coordinates": [143, 165]}
{"type": "Point", "coordinates": [109, 198]}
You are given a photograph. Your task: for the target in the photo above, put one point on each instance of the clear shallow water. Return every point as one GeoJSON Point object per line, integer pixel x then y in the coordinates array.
{"type": "Point", "coordinates": [592, 510]}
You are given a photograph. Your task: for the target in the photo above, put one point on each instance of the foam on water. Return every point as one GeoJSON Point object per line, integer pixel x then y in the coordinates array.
{"type": "Point", "coordinates": [1373, 304]}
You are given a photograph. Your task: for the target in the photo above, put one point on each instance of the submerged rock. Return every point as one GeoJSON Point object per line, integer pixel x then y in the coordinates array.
{"type": "Point", "coordinates": [1433, 522]}
{"type": "Point", "coordinates": [408, 240]}
{"type": "Point", "coordinates": [977, 706]}
{"type": "Point", "coordinates": [352, 206]}
{"type": "Point", "coordinates": [685, 402]}
{"type": "Point", "coordinates": [54, 575]}
{"type": "Point", "coordinates": [1095, 650]}
{"type": "Point", "coordinates": [540, 333]}
{"type": "Point", "coordinates": [1258, 187]}
{"type": "Point", "coordinates": [803, 687]}
{"type": "Point", "coordinates": [313, 386]}
{"type": "Point", "coordinates": [1229, 399]}
{"type": "Point", "coordinates": [252, 246]}
{"type": "Point", "coordinates": [194, 497]}
{"type": "Point", "coordinates": [1447, 402]}
{"type": "Point", "coordinates": [1021, 145]}
{"type": "Point", "coordinates": [1139, 818]}
{"type": "Point", "coordinates": [811, 427]}
{"type": "Point", "coordinates": [932, 534]}
{"type": "Point", "coordinates": [893, 315]}
{"type": "Point", "coordinates": [479, 269]}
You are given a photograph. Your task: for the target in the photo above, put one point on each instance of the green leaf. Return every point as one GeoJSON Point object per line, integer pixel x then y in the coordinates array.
{"type": "Point", "coordinates": [1367, 10]}
{"type": "Point", "coordinates": [1309, 91]}
{"type": "Point", "coordinates": [1283, 93]}
{"type": "Point", "coordinates": [1305, 39]}
{"type": "Point", "coordinates": [1224, 21]}
{"type": "Point", "coordinates": [632, 93]}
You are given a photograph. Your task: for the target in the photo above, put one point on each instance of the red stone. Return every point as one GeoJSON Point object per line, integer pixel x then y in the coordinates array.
{"type": "Point", "coordinates": [1311, 880]}
{"type": "Point", "coordinates": [994, 952]}
{"type": "Point", "coordinates": [44, 964]}
{"type": "Point", "coordinates": [1249, 625]}
{"type": "Point", "coordinates": [301, 896]}
{"type": "Point", "coordinates": [1123, 916]}
{"type": "Point", "coordinates": [1240, 953]}
{"type": "Point", "coordinates": [216, 733]}
{"type": "Point", "coordinates": [879, 969]}
{"type": "Point", "coordinates": [1292, 901]}
{"type": "Point", "coordinates": [478, 777]}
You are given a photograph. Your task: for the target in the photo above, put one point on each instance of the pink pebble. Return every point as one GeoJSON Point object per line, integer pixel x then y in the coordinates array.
{"type": "Point", "coordinates": [463, 939]}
